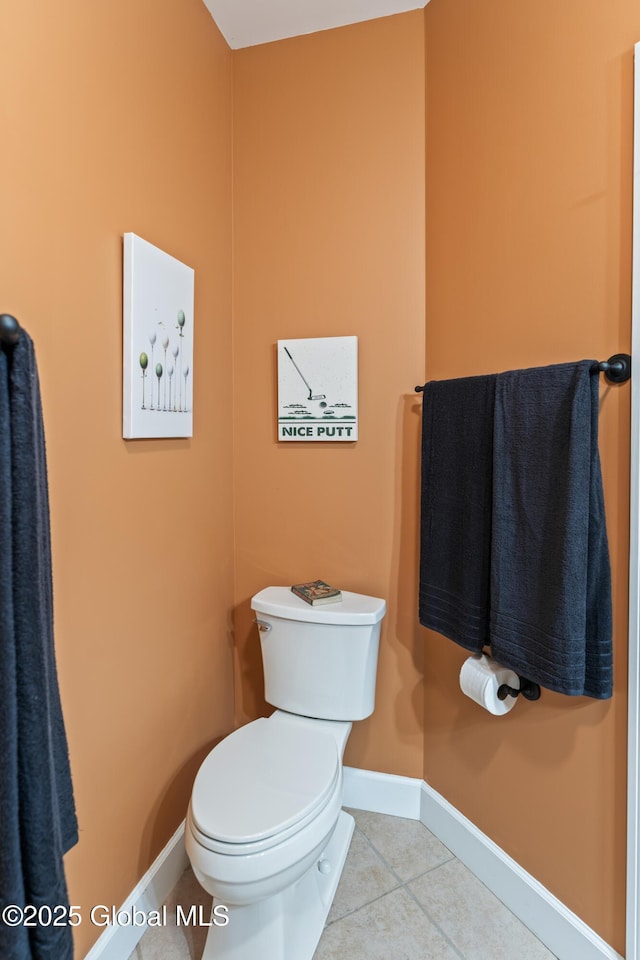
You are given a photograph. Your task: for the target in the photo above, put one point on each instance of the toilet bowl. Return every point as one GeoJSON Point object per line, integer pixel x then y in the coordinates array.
{"type": "Point", "coordinates": [282, 795]}
{"type": "Point", "coordinates": [267, 846]}
{"type": "Point", "coordinates": [265, 832]}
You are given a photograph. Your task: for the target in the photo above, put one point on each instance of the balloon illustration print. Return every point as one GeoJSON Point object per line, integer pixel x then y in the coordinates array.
{"type": "Point", "coordinates": [158, 326]}
{"type": "Point", "coordinates": [144, 363]}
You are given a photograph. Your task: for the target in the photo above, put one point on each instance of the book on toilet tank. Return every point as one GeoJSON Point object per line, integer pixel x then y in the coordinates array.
{"type": "Point", "coordinates": [316, 592]}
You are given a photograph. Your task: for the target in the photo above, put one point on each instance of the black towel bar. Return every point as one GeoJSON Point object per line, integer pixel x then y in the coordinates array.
{"type": "Point", "coordinates": [617, 369]}
{"type": "Point", "coordinates": [9, 329]}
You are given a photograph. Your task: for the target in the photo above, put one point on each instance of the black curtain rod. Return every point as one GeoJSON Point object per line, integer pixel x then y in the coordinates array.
{"type": "Point", "coordinates": [9, 330]}
{"type": "Point", "coordinates": [617, 369]}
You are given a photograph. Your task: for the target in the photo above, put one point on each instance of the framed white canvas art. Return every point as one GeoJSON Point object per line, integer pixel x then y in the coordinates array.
{"type": "Point", "coordinates": [157, 343]}
{"type": "Point", "coordinates": [318, 389]}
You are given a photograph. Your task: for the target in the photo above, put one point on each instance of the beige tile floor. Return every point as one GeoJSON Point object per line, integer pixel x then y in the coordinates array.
{"type": "Point", "coordinates": [402, 894]}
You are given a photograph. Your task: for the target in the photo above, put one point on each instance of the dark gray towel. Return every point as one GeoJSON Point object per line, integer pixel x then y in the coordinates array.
{"type": "Point", "coordinates": [550, 577]}
{"type": "Point", "coordinates": [457, 452]}
{"type": "Point", "coordinates": [37, 811]}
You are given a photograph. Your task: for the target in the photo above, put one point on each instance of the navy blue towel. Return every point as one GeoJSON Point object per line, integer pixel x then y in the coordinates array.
{"type": "Point", "coordinates": [37, 811]}
{"type": "Point", "coordinates": [455, 535]}
{"type": "Point", "coordinates": [550, 578]}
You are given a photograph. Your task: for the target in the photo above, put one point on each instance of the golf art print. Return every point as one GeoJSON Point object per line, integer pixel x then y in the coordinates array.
{"type": "Point", "coordinates": [318, 389]}
{"type": "Point", "coordinates": [157, 343]}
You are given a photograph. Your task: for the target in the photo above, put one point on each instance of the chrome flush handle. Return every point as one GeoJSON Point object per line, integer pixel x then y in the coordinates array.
{"type": "Point", "coordinates": [263, 626]}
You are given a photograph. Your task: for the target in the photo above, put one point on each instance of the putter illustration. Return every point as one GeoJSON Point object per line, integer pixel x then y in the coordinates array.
{"type": "Point", "coordinates": [312, 396]}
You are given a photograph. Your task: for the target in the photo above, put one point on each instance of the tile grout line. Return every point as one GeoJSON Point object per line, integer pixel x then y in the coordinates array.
{"type": "Point", "coordinates": [355, 910]}
{"type": "Point", "coordinates": [431, 920]}
{"type": "Point", "coordinates": [404, 885]}
{"type": "Point", "coordinates": [379, 897]}
{"type": "Point", "coordinates": [390, 868]}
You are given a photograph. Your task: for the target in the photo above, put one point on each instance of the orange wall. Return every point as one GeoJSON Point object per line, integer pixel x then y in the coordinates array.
{"type": "Point", "coordinates": [117, 117]}
{"type": "Point", "coordinates": [120, 119]}
{"type": "Point", "coordinates": [529, 165]}
{"type": "Point", "coordinates": [329, 241]}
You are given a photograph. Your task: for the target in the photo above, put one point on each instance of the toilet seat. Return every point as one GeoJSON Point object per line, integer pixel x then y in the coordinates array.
{"type": "Point", "coordinates": [262, 784]}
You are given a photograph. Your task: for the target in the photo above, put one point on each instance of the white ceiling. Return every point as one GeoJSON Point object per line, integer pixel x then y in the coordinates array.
{"type": "Point", "coordinates": [245, 23]}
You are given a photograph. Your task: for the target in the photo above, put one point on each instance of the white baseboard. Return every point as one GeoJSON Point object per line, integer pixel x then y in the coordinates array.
{"type": "Point", "coordinates": [382, 793]}
{"type": "Point", "coordinates": [564, 933]}
{"type": "Point", "coordinates": [561, 930]}
{"type": "Point", "coordinates": [118, 942]}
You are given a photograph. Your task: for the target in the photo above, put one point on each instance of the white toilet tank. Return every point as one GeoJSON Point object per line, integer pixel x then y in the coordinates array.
{"type": "Point", "coordinates": [319, 661]}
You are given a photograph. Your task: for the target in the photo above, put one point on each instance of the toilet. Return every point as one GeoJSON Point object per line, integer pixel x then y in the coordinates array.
{"type": "Point", "coordinates": [265, 832]}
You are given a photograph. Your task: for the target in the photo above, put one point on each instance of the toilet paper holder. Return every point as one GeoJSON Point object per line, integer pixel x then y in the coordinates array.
{"type": "Point", "coordinates": [528, 689]}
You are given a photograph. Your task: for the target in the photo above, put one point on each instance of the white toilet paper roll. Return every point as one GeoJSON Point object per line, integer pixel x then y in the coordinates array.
{"type": "Point", "coordinates": [480, 678]}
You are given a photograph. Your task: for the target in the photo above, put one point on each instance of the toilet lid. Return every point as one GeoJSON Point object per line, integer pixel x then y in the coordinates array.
{"type": "Point", "coordinates": [262, 779]}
